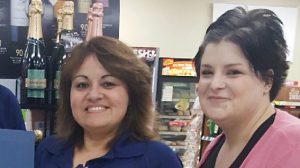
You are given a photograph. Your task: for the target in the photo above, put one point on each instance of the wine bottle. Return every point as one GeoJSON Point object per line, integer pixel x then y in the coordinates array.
{"type": "Point", "coordinates": [96, 21]}
{"type": "Point", "coordinates": [89, 19]}
{"type": "Point", "coordinates": [18, 20]}
{"type": "Point", "coordinates": [69, 36]}
{"type": "Point", "coordinates": [34, 63]}
{"type": "Point", "coordinates": [57, 59]}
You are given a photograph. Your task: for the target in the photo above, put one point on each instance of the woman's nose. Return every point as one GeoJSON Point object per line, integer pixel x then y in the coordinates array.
{"type": "Point", "coordinates": [218, 82]}
{"type": "Point", "coordinates": [95, 93]}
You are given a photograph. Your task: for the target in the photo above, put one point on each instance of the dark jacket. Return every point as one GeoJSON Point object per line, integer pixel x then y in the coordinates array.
{"type": "Point", "coordinates": [10, 111]}
{"type": "Point", "coordinates": [125, 153]}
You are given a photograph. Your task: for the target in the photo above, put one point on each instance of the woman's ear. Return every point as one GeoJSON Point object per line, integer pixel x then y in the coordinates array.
{"type": "Point", "coordinates": [269, 80]}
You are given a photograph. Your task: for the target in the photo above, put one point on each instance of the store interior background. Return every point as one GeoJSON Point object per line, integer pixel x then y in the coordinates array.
{"type": "Point", "coordinates": [177, 27]}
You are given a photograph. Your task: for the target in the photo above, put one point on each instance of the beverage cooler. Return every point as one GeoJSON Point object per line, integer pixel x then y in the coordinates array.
{"type": "Point", "coordinates": [174, 100]}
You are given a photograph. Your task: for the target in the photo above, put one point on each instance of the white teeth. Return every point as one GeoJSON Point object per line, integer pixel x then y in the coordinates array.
{"type": "Point", "coordinates": [96, 109]}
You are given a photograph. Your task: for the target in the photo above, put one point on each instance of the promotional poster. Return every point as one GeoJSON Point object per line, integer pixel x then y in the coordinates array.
{"type": "Point", "coordinates": [14, 28]}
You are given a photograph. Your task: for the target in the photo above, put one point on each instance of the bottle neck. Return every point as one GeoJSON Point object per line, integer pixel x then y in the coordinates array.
{"type": "Point", "coordinates": [35, 26]}
{"type": "Point", "coordinates": [89, 25]}
{"type": "Point", "coordinates": [68, 22]}
{"type": "Point", "coordinates": [97, 14]}
{"type": "Point", "coordinates": [59, 29]}
{"type": "Point", "coordinates": [97, 27]}
{"type": "Point", "coordinates": [59, 26]}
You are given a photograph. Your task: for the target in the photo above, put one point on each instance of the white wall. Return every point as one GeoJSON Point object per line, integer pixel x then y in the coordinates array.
{"type": "Point", "coordinates": [177, 27]}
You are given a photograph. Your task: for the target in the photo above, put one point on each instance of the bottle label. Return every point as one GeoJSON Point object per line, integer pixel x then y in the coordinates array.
{"type": "Point", "coordinates": [70, 39]}
{"type": "Point", "coordinates": [35, 83]}
{"type": "Point", "coordinates": [57, 83]}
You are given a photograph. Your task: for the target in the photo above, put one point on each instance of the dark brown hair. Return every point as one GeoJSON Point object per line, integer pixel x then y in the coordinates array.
{"type": "Point", "coordinates": [120, 61]}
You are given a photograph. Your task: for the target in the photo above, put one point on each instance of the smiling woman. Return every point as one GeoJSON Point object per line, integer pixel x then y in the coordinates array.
{"type": "Point", "coordinates": [241, 67]}
{"type": "Point", "coordinates": [105, 116]}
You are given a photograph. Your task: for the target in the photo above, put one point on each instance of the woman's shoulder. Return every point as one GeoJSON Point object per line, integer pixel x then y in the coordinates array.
{"type": "Point", "coordinates": [156, 150]}
{"type": "Point", "coordinates": [51, 144]}
{"type": "Point", "coordinates": [157, 145]}
{"type": "Point", "coordinates": [285, 127]}
{"type": "Point", "coordinates": [285, 120]}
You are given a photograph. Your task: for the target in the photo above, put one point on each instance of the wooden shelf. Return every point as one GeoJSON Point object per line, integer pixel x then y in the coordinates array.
{"type": "Point", "coordinates": [175, 117]}
{"type": "Point", "coordinates": [207, 138]}
{"type": "Point", "coordinates": [191, 100]}
{"type": "Point", "coordinates": [288, 104]}
{"type": "Point", "coordinates": [177, 146]}
{"type": "Point", "coordinates": [171, 133]}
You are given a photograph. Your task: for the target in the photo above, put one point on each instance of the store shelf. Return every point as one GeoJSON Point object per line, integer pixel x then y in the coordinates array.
{"type": "Point", "coordinates": [38, 106]}
{"type": "Point", "coordinates": [207, 138]}
{"type": "Point", "coordinates": [175, 117]}
{"type": "Point", "coordinates": [177, 147]}
{"type": "Point", "coordinates": [171, 133]}
{"type": "Point", "coordinates": [191, 100]}
{"type": "Point", "coordinates": [287, 104]}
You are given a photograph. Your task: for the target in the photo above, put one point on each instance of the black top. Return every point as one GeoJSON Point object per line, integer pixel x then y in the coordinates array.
{"type": "Point", "coordinates": [212, 156]}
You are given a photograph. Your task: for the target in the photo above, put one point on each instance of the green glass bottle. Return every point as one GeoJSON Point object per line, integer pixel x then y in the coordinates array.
{"type": "Point", "coordinates": [34, 73]}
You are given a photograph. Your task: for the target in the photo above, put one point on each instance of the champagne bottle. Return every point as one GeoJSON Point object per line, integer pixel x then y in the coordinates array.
{"type": "Point", "coordinates": [69, 36]}
{"type": "Point", "coordinates": [95, 23]}
{"type": "Point", "coordinates": [34, 63]}
{"type": "Point", "coordinates": [89, 19]}
{"type": "Point", "coordinates": [58, 55]}
{"type": "Point", "coordinates": [18, 20]}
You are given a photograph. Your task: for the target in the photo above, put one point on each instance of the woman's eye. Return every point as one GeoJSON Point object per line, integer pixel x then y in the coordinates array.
{"type": "Point", "coordinates": [233, 72]}
{"type": "Point", "coordinates": [82, 85]}
{"type": "Point", "coordinates": [107, 85]}
{"type": "Point", "coordinates": [206, 72]}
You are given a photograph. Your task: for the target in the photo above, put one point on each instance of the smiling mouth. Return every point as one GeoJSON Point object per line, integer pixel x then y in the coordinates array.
{"type": "Point", "coordinates": [96, 109]}
{"type": "Point", "coordinates": [217, 99]}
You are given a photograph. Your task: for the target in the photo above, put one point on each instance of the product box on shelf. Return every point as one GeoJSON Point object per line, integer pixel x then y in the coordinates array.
{"type": "Point", "coordinates": [289, 93]}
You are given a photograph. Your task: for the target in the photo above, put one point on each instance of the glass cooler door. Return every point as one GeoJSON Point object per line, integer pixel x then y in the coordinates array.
{"type": "Point", "coordinates": [174, 108]}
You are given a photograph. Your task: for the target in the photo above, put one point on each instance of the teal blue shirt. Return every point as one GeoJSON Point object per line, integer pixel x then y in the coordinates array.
{"type": "Point", "coordinates": [125, 153]}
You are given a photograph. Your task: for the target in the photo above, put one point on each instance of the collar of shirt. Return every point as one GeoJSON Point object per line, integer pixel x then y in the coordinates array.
{"type": "Point", "coordinates": [124, 147]}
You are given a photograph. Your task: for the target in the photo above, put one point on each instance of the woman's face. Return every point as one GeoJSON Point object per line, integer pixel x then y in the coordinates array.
{"type": "Point", "coordinates": [228, 88]}
{"type": "Point", "coordinates": [98, 100]}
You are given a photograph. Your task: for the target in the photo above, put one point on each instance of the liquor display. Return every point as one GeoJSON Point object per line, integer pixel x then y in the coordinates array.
{"type": "Point", "coordinates": [14, 28]}
{"type": "Point", "coordinates": [34, 63]}
{"type": "Point", "coordinates": [95, 21]}
{"type": "Point", "coordinates": [175, 97]}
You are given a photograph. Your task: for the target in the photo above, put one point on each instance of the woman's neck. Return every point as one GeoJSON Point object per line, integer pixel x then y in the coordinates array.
{"type": "Point", "coordinates": [239, 133]}
{"type": "Point", "coordinates": [94, 146]}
